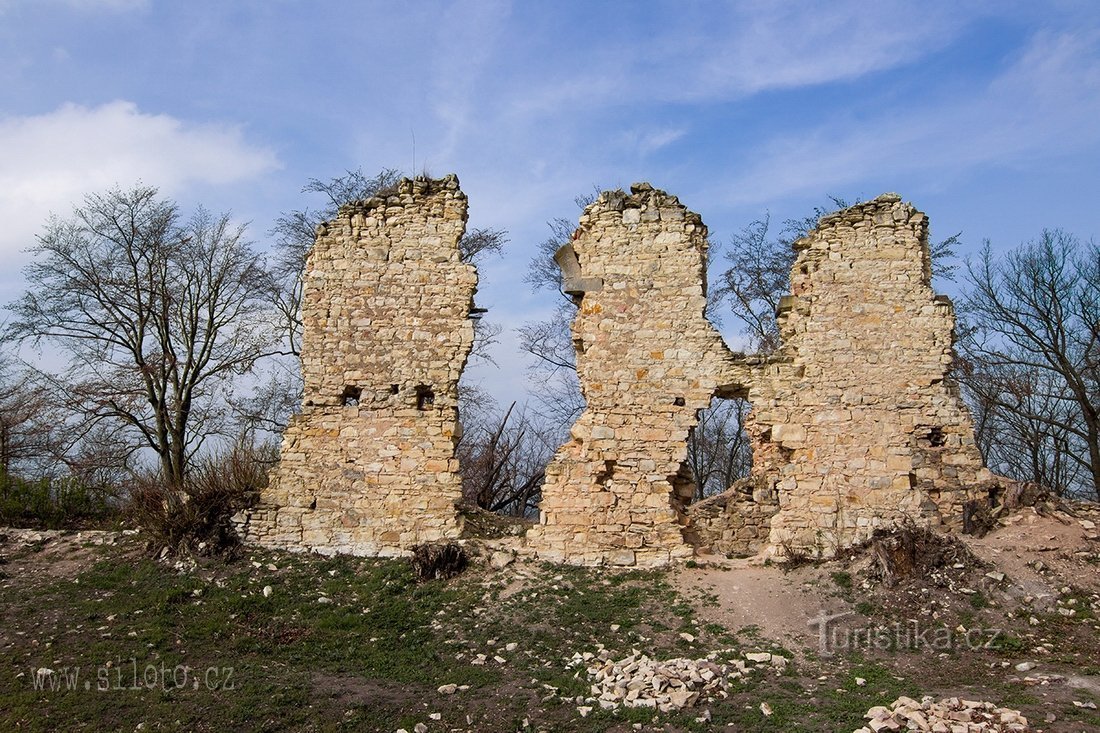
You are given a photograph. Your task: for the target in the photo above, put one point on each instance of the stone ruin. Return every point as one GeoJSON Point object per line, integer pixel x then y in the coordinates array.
{"type": "Point", "coordinates": [368, 466]}
{"type": "Point", "coordinates": [855, 423]}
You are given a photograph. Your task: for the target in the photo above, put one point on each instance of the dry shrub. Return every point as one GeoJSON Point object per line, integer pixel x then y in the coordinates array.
{"type": "Point", "coordinates": [912, 550]}
{"type": "Point", "coordinates": [438, 561]}
{"type": "Point", "coordinates": [194, 518]}
{"type": "Point", "coordinates": [793, 555]}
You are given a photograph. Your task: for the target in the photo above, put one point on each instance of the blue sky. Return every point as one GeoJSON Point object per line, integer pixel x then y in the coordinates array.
{"type": "Point", "coordinates": [986, 115]}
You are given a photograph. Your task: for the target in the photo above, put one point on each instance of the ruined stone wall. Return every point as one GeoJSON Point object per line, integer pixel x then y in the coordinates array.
{"type": "Point", "coordinates": [368, 467]}
{"type": "Point", "coordinates": [855, 422]}
{"type": "Point", "coordinates": [856, 419]}
{"type": "Point", "coordinates": [648, 360]}
{"type": "Point", "coordinates": [737, 522]}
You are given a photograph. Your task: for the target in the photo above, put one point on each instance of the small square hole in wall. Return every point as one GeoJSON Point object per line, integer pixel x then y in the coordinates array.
{"type": "Point", "coordinates": [425, 397]}
{"type": "Point", "coordinates": [937, 438]}
{"type": "Point", "coordinates": [394, 388]}
{"type": "Point", "coordinates": [351, 395]}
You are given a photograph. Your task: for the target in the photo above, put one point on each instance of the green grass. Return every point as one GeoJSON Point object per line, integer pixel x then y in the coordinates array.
{"type": "Point", "coordinates": [842, 579]}
{"type": "Point", "coordinates": [373, 656]}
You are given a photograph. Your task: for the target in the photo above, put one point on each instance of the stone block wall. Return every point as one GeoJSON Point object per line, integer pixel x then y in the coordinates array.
{"type": "Point", "coordinates": [737, 522]}
{"type": "Point", "coordinates": [855, 422]}
{"type": "Point", "coordinates": [648, 361]}
{"type": "Point", "coordinates": [368, 467]}
{"type": "Point", "coordinates": [856, 418]}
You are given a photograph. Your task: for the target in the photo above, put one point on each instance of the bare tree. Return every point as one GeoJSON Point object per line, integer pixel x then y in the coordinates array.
{"type": "Point", "coordinates": [26, 422]}
{"type": "Point", "coordinates": [553, 371]}
{"type": "Point", "coordinates": [1030, 441]}
{"type": "Point", "coordinates": [157, 315]}
{"type": "Point", "coordinates": [503, 459]}
{"type": "Point", "coordinates": [1031, 359]}
{"type": "Point", "coordinates": [719, 451]}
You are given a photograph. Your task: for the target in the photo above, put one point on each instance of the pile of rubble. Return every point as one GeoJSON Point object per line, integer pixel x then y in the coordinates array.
{"type": "Point", "coordinates": [951, 715]}
{"type": "Point", "coordinates": [639, 681]}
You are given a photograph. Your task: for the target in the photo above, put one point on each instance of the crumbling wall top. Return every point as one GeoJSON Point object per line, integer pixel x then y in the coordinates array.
{"type": "Point", "coordinates": [406, 192]}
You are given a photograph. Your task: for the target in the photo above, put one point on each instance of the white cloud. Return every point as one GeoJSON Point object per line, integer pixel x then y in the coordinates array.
{"type": "Point", "coordinates": [785, 45]}
{"type": "Point", "coordinates": [707, 52]}
{"type": "Point", "coordinates": [49, 162]}
{"type": "Point", "coordinates": [1045, 103]}
{"type": "Point", "coordinates": [649, 140]}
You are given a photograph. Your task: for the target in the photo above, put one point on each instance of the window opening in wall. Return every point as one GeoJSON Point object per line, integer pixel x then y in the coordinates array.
{"type": "Point", "coordinates": [425, 397]}
{"type": "Point", "coordinates": [351, 395]}
{"type": "Point", "coordinates": [937, 438]}
{"type": "Point", "coordinates": [719, 450]}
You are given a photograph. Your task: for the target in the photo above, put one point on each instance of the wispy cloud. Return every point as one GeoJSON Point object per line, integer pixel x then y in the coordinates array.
{"type": "Point", "coordinates": [1045, 103]}
{"type": "Point", "coordinates": [649, 140]}
{"type": "Point", "coordinates": [710, 52]}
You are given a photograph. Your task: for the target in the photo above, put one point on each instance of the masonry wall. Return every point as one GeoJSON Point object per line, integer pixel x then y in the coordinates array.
{"type": "Point", "coordinates": [855, 422]}
{"type": "Point", "coordinates": [368, 467]}
{"type": "Point", "coordinates": [648, 360]}
{"type": "Point", "coordinates": [856, 419]}
{"type": "Point", "coordinates": [736, 522]}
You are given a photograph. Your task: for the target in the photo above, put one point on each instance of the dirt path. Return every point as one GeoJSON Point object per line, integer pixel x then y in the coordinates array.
{"type": "Point", "coordinates": [779, 603]}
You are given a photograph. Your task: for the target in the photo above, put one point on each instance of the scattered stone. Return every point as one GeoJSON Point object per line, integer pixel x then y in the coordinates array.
{"type": "Point", "coordinates": [501, 559]}
{"type": "Point", "coordinates": [268, 590]}
{"type": "Point", "coordinates": [1025, 666]}
{"type": "Point", "coordinates": [448, 689]}
{"type": "Point", "coordinates": [420, 728]}
{"type": "Point", "coordinates": [947, 716]}
{"type": "Point", "coordinates": [687, 637]}
{"type": "Point", "coordinates": [639, 681]}
{"type": "Point", "coordinates": [766, 709]}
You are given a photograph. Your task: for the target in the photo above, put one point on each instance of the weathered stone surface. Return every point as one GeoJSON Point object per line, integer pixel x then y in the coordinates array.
{"type": "Point", "coordinates": [368, 467]}
{"type": "Point", "coordinates": [855, 422]}
{"type": "Point", "coordinates": [648, 361]}
{"type": "Point", "coordinates": [736, 522]}
{"type": "Point", "coordinates": [950, 714]}
{"type": "Point", "coordinates": [670, 684]}
{"type": "Point", "coordinates": [856, 419]}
